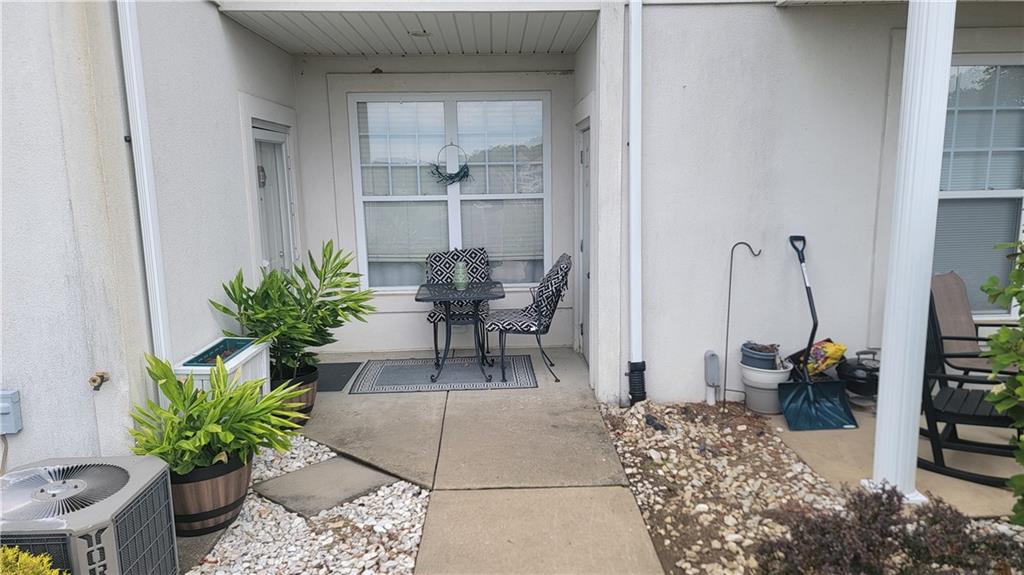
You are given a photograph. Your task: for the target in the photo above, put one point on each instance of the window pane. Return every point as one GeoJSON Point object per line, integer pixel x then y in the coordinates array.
{"type": "Point", "coordinates": [404, 150]}
{"type": "Point", "coordinates": [1011, 86]}
{"type": "Point", "coordinates": [968, 171]}
{"type": "Point", "coordinates": [1007, 171]}
{"type": "Point", "coordinates": [973, 129]}
{"type": "Point", "coordinates": [944, 179]}
{"type": "Point", "coordinates": [373, 117]}
{"type": "Point", "coordinates": [1009, 129]}
{"type": "Point", "coordinates": [499, 179]}
{"type": "Point", "coordinates": [967, 232]}
{"type": "Point", "coordinates": [477, 182]}
{"type": "Point", "coordinates": [976, 85]}
{"type": "Point", "coordinates": [403, 181]}
{"type": "Point", "coordinates": [373, 149]}
{"type": "Point", "coordinates": [530, 179]}
{"type": "Point", "coordinates": [512, 231]}
{"type": "Point", "coordinates": [399, 235]}
{"type": "Point", "coordinates": [376, 181]}
{"type": "Point", "coordinates": [430, 116]}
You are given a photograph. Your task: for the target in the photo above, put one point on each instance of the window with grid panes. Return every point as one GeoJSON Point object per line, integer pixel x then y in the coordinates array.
{"type": "Point", "coordinates": [982, 182]}
{"type": "Point", "coordinates": [406, 214]}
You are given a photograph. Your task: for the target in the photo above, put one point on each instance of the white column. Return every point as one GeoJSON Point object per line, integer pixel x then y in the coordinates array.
{"type": "Point", "coordinates": [926, 64]}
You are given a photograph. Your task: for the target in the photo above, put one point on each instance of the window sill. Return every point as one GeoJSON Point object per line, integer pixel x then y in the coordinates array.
{"type": "Point", "coordinates": [403, 291]}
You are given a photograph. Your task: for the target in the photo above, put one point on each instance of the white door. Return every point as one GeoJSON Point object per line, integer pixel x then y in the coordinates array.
{"type": "Point", "coordinates": [584, 255]}
{"type": "Point", "coordinates": [275, 201]}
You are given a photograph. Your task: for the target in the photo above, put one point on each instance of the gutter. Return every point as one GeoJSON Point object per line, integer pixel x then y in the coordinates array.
{"type": "Point", "coordinates": [145, 181]}
{"type": "Point", "coordinates": [637, 365]}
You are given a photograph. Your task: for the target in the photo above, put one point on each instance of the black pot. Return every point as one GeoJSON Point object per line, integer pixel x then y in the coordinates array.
{"type": "Point", "coordinates": [208, 499]}
{"type": "Point", "coordinates": [860, 374]}
{"type": "Point", "coordinates": [307, 378]}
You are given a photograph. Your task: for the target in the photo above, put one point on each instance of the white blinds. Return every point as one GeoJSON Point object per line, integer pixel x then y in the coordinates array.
{"type": "Point", "coordinates": [969, 231]}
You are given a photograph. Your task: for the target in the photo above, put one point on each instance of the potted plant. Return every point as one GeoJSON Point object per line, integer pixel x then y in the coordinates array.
{"type": "Point", "coordinates": [208, 439]}
{"type": "Point", "coordinates": [762, 370]}
{"type": "Point", "coordinates": [297, 311]}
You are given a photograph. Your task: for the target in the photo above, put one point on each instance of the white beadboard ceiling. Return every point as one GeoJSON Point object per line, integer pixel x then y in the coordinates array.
{"type": "Point", "coordinates": [388, 33]}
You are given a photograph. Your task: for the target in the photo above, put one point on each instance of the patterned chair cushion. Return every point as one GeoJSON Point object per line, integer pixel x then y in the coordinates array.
{"type": "Point", "coordinates": [441, 269]}
{"type": "Point", "coordinates": [536, 317]}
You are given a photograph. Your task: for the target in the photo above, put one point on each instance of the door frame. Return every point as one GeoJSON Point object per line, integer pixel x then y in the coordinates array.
{"type": "Point", "coordinates": [258, 113]}
{"type": "Point", "coordinates": [581, 127]}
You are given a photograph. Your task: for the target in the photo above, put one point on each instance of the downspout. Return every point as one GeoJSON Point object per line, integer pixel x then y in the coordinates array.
{"type": "Point", "coordinates": [637, 384]}
{"type": "Point", "coordinates": [145, 185]}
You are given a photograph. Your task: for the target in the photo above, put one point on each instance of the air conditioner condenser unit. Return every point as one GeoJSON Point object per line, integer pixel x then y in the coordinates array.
{"type": "Point", "coordinates": [93, 516]}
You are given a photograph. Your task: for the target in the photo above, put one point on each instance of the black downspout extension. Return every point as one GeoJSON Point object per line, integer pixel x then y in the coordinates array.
{"type": "Point", "coordinates": [637, 384]}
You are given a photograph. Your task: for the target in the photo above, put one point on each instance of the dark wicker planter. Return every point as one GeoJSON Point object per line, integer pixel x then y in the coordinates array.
{"type": "Point", "coordinates": [307, 378]}
{"type": "Point", "coordinates": [208, 499]}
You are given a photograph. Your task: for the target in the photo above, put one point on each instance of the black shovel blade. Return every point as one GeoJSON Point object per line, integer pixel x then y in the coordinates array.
{"type": "Point", "coordinates": [816, 405]}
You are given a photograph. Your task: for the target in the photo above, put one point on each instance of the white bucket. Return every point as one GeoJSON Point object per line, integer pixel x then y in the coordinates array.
{"type": "Point", "coordinates": [762, 387]}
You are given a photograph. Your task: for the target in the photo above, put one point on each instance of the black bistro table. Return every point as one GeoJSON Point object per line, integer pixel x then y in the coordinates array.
{"type": "Point", "coordinates": [475, 293]}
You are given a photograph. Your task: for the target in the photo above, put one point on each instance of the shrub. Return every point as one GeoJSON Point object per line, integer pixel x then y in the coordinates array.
{"type": "Point", "coordinates": [298, 311]}
{"type": "Point", "coordinates": [14, 561]}
{"type": "Point", "coordinates": [199, 428]}
{"type": "Point", "coordinates": [872, 535]}
{"type": "Point", "coordinates": [1006, 349]}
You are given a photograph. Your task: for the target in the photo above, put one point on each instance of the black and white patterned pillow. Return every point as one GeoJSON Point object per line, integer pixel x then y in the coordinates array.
{"type": "Point", "coordinates": [441, 269]}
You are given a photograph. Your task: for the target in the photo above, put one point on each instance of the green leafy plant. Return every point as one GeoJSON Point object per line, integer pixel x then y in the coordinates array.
{"type": "Point", "coordinates": [1006, 349]}
{"type": "Point", "coordinates": [298, 311]}
{"type": "Point", "coordinates": [199, 428]}
{"type": "Point", "coordinates": [14, 561]}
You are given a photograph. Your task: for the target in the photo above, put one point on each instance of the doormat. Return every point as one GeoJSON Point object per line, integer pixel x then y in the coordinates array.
{"type": "Point", "coordinates": [335, 376]}
{"type": "Point", "coordinates": [460, 373]}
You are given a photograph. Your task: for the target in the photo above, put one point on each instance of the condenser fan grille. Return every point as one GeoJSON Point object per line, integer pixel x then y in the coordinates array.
{"type": "Point", "coordinates": [52, 491]}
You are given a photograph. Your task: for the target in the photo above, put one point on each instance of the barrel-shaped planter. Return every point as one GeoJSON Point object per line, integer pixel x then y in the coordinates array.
{"type": "Point", "coordinates": [306, 379]}
{"type": "Point", "coordinates": [208, 499]}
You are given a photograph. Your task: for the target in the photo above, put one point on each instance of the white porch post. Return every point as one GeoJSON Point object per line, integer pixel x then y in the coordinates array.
{"type": "Point", "coordinates": [926, 64]}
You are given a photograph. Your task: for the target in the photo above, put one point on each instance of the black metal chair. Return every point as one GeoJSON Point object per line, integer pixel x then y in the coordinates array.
{"type": "Point", "coordinates": [946, 402]}
{"type": "Point", "coordinates": [534, 319]}
{"type": "Point", "coordinates": [441, 269]}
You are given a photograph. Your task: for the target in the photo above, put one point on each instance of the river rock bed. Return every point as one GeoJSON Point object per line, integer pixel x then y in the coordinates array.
{"type": "Point", "coordinates": [269, 463]}
{"type": "Point", "coordinates": [377, 533]}
{"type": "Point", "coordinates": [706, 479]}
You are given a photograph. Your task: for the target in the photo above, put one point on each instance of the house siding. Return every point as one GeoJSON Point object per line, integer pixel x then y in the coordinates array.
{"type": "Point", "coordinates": [761, 122]}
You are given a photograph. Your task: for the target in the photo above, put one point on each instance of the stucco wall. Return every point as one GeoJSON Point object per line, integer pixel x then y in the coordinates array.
{"type": "Point", "coordinates": [73, 289]}
{"type": "Point", "coordinates": [196, 62]}
{"type": "Point", "coordinates": [761, 122]}
{"type": "Point", "coordinates": [325, 169]}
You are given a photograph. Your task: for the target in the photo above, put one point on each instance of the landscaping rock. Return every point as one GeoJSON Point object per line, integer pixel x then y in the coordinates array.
{"type": "Point", "coordinates": [377, 533]}
{"type": "Point", "coordinates": [269, 464]}
{"type": "Point", "coordinates": [707, 482]}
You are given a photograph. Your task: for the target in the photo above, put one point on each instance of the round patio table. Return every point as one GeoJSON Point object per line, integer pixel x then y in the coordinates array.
{"type": "Point", "coordinates": [475, 293]}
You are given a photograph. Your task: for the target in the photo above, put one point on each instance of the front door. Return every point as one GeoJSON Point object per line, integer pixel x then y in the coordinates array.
{"type": "Point", "coordinates": [275, 201]}
{"type": "Point", "coordinates": [584, 255]}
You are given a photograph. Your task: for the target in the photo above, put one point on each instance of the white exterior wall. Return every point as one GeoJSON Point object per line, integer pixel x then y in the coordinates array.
{"type": "Point", "coordinates": [73, 290]}
{"type": "Point", "coordinates": [322, 85]}
{"type": "Point", "coordinates": [196, 62]}
{"type": "Point", "coordinates": [761, 122]}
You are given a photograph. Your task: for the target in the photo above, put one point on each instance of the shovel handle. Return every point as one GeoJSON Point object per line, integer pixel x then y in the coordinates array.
{"type": "Point", "coordinates": [798, 243]}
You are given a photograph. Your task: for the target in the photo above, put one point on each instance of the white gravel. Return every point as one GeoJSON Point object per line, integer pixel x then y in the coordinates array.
{"type": "Point", "coordinates": [269, 464]}
{"type": "Point", "coordinates": [377, 533]}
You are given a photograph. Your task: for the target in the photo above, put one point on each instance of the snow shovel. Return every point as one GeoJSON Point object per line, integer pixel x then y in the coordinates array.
{"type": "Point", "coordinates": [811, 404]}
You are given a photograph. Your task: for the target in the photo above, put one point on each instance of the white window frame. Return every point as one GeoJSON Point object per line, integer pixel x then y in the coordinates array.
{"type": "Point", "coordinates": [996, 59]}
{"type": "Point", "coordinates": [254, 114]}
{"type": "Point", "coordinates": [454, 198]}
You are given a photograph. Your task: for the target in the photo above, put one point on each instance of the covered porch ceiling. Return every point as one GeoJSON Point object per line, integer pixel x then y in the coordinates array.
{"type": "Point", "coordinates": [308, 31]}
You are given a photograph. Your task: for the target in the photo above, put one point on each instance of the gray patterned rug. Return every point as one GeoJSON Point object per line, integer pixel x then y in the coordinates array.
{"type": "Point", "coordinates": [460, 373]}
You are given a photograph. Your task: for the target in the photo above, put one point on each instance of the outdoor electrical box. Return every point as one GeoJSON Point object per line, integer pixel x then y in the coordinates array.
{"type": "Point", "coordinates": [10, 411]}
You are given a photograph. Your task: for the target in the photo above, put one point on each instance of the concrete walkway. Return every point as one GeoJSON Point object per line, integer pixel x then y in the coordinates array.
{"type": "Point", "coordinates": [523, 480]}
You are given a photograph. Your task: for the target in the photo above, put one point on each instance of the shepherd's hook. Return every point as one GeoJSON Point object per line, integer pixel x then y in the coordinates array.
{"type": "Point", "coordinates": [728, 314]}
